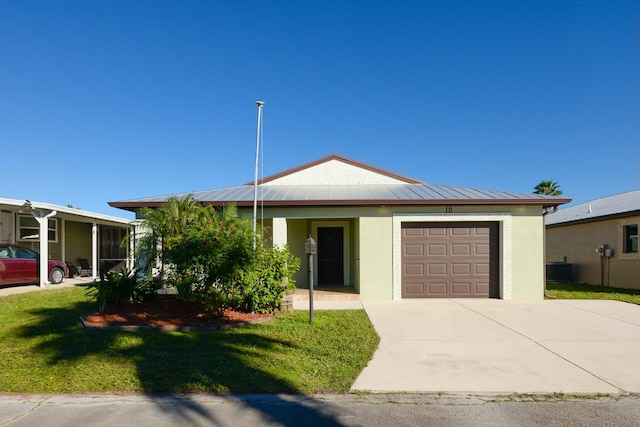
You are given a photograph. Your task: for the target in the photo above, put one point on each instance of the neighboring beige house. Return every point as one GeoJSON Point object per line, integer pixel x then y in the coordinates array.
{"type": "Point", "coordinates": [599, 239]}
{"type": "Point", "coordinates": [70, 233]}
{"type": "Point", "coordinates": [394, 237]}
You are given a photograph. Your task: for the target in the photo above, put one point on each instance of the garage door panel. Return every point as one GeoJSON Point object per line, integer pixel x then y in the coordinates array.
{"type": "Point", "coordinates": [414, 250]}
{"type": "Point", "coordinates": [460, 249]}
{"type": "Point", "coordinates": [461, 269]}
{"type": "Point", "coordinates": [460, 231]}
{"type": "Point", "coordinates": [461, 289]}
{"type": "Point", "coordinates": [415, 289]}
{"type": "Point", "coordinates": [482, 288]}
{"type": "Point", "coordinates": [437, 269]}
{"type": "Point", "coordinates": [437, 289]}
{"type": "Point", "coordinates": [482, 269]}
{"type": "Point", "coordinates": [481, 249]}
{"type": "Point", "coordinates": [482, 231]}
{"type": "Point", "coordinates": [419, 232]}
{"type": "Point", "coordinates": [435, 231]}
{"type": "Point", "coordinates": [414, 270]}
{"type": "Point", "coordinates": [436, 249]}
{"type": "Point", "coordinates": [459, 260]}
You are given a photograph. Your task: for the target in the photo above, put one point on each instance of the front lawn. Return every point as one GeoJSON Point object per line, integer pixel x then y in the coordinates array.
{"type": "Point", "coordinates": [44, 349]}
{"type": "Point", "coordinates": [582, 291]}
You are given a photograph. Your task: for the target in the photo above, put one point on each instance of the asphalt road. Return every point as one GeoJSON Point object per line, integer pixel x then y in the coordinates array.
{"type": "Point", "coordinates": [319, 410]}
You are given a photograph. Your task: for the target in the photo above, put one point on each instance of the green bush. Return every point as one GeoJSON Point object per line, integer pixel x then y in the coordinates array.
{"type": "Point", "coordinates": [120, 288]}
{"type": "Point", "coordinates": [213, 261]}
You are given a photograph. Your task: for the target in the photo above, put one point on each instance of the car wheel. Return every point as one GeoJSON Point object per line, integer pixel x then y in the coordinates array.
{"type": "Point", "coordinates": [56, 276]}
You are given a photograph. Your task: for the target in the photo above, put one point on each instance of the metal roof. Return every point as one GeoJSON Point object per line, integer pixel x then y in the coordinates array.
{"type": "Point", "coordinates": [76, 214]}
{"type": "Point", "coordinates": [350, 195]}
{"type": "Point", "coordinates": [618, 204]}
{"type": "Point", "coordinates": [274, 191]}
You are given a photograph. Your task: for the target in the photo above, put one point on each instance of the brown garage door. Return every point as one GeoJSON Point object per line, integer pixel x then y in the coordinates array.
{"type": "Point", "coordinates": [449, 260]}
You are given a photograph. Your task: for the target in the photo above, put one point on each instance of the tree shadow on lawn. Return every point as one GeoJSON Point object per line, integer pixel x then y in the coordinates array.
{"type": "Point", "coordinates": [169, 365]}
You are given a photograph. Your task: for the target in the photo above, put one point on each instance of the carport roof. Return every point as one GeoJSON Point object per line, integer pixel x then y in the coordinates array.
{"type": "Point", "coordinates": [69, 213]}
{"type": "Point", "coordinates": [392, 189]}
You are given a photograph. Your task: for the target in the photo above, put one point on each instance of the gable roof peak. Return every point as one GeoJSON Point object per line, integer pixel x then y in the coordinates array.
{"type": "Point", "coordinates": [335, 169]}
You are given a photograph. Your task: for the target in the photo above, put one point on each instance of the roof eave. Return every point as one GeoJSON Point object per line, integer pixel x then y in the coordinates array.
{"type": "Point", "coordinates": [132, 206]}
{"type": "Point", "coordinates": [617, 215]}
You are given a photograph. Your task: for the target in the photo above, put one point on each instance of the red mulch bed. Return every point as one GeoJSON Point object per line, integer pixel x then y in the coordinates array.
{"type": "Point", "coordinates": [168, 311]}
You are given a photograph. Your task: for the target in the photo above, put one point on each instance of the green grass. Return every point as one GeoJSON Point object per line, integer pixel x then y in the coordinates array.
{"type": "Point", "coordinates": [44, 349]}
{"type": "Point", "coordinates": [582, 291]}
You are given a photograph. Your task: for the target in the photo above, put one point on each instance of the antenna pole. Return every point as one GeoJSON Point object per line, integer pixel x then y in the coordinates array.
{"type": "Point", "coordinates": [260, 104]}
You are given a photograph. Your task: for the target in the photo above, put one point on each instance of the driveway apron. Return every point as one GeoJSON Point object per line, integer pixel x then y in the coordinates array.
{"type": "Point", "coordinates": [497, 346]}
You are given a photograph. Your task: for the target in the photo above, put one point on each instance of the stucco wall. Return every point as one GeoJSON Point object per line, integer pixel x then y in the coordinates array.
{"type": "Point", "coordinates": [527, 251]}
{"type": "Point", "coordinates": [373, 234]}
{"type": "Point", "coordinates": [375, 258]}
{"type": "Point", "coordinates": [578, 242]}
{"type": "Point", "coordinates": [297, 233]}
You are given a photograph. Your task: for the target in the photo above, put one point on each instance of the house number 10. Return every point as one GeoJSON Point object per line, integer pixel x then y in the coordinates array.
{"type": "Point", "coordinates": [448, 209]}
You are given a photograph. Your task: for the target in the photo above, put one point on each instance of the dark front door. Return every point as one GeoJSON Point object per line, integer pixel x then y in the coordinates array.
{"type": "Point", "coordinates": [330, 256]}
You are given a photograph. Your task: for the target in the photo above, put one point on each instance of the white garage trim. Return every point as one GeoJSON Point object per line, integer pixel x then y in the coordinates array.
{"type": "Point", "coordinates": [504, 219]}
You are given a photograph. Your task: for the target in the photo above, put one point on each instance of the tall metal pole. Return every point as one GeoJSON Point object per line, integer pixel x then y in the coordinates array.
{"type": "Point", "coordinates": [311, 288]}
{"type": "Point", "coordinates": [255, 176]}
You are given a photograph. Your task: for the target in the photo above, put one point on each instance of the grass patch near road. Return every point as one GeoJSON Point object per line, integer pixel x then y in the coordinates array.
{"type": "Point", "coordinates": [582, 291]}
{"type": "Point", "coordinates": [44, 349]}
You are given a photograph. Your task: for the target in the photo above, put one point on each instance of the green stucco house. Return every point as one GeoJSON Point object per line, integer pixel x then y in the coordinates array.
{"type": "Point", "coordinates": [393, 237]}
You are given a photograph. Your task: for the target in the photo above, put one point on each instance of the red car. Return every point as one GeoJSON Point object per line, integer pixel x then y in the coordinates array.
{"type": "Point", "coordinates": [21, 265]}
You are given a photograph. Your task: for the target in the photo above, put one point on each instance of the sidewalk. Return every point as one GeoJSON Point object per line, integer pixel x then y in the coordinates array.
{"type": "Point", "coordinates": [21, 289]}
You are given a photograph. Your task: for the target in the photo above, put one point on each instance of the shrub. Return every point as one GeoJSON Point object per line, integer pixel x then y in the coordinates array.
{"type": "Point", "coordinates": [213, 262]}
{"type": "Point", "coordinates": [120, 288]}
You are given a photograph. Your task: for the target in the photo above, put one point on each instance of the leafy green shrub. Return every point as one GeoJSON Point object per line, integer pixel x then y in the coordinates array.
{"type": "Point", "coordinates": [213, 260]}
{"type": "Point", "coordinates": [271, 275]}
{"type": "Point", "coordinates": [120, 288]}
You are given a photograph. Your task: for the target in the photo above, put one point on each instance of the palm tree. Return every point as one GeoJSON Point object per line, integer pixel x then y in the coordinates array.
{"type": "Point", "coordinates": [548, 188]}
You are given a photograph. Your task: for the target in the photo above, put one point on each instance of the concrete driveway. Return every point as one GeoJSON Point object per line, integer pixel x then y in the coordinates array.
{"type": "Point", "coordinates": [496, 346]}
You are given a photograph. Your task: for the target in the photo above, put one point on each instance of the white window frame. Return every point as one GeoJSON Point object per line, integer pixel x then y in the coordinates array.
{"type": "Point", "coordinates": [36, 229]}
{"type": "Point", "coordinates": [621, 239]}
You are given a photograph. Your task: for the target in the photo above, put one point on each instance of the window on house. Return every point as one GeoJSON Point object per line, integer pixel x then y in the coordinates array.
{"type": "Point", "coordinates": [631, 239]}
{"type": "Point", "coordinates": [110, 243]}
{"type": "Point", "coordinates": [30, 229]}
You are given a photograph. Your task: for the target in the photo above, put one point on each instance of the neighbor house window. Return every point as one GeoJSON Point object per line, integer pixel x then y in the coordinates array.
{"type": "Point", "coordinates": [111, 243]}
{"type": "Point", "coordinates": [630, 236]}
{"type": "Point", "coordinates": [30, 229]}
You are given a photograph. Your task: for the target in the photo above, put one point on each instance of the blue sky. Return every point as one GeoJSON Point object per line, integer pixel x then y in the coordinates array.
{"type": "Point", "coordinates": [112, 100]}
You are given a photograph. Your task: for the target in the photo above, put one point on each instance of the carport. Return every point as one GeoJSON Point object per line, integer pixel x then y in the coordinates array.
{"type": "Point", "coordinates": [25, 222]}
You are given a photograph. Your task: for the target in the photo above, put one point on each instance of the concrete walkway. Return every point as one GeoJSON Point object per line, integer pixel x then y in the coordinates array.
{"type": "Point", "coordinates": [496, 346]}
{"type": "Point", "coordinates": [21, 289]}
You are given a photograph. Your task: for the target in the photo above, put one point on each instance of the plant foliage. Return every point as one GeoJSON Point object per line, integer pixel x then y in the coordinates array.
{"type": "Point", "coordinates": [548, 188]}
{"type": "Point", "coordinates": [118, 288]}
{"type": "Point", "coordinates": [211, 258]}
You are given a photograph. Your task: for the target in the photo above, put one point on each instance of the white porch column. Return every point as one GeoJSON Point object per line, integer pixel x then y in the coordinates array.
{"type": "Point", "coordinates": [279, 232]}
{"type": "Point", "coordinates": [62, 233]}
{"type": "Point", "coordinates": [43, 222]}
{"type": "Point", "coordinates": [94, 251]}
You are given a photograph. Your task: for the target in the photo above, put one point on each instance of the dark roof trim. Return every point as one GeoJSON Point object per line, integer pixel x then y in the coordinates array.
{"type": "Point", "coordinates": [132, 206]}
{"type": "Point", "coordinates": [594, 219]}
{"type": "Point", "coordinates": [343, 159]}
